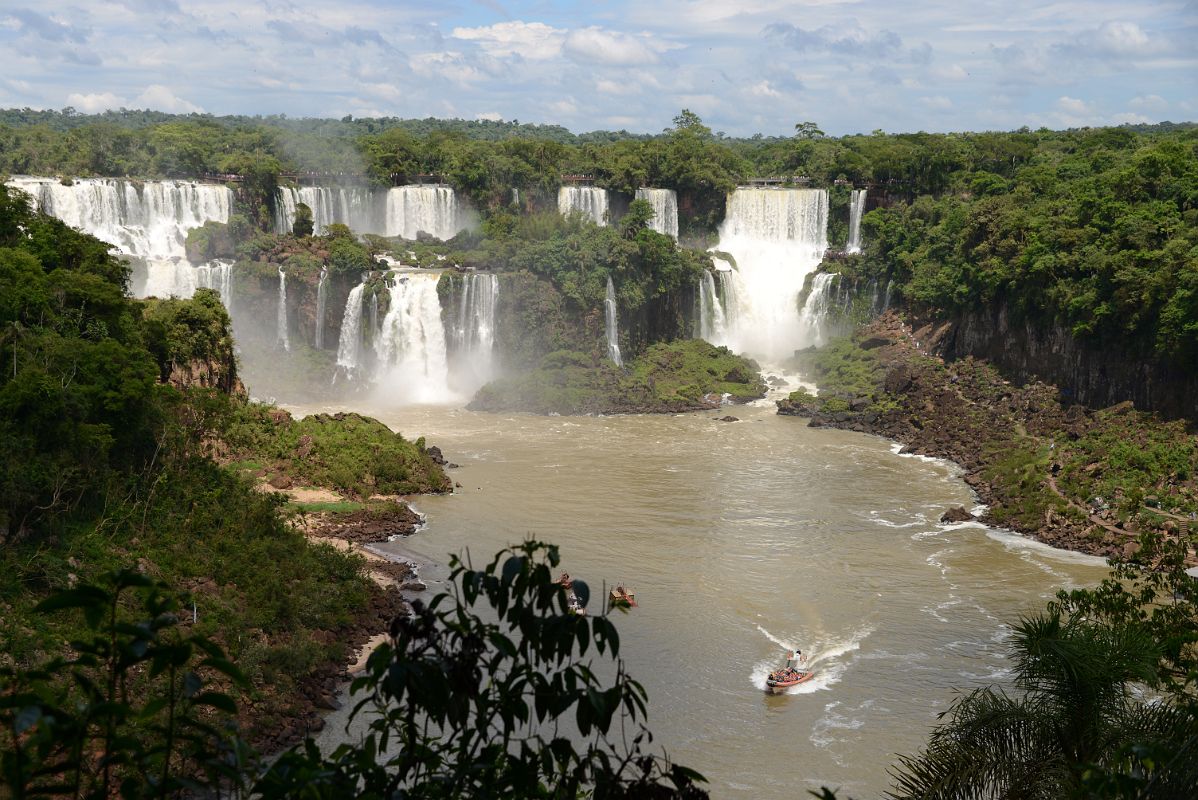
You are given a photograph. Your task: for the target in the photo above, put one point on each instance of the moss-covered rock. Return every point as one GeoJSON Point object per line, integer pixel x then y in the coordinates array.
{"type": "Point", "coordinates": [351, 454]}
{"type": "Point", "coordinates": [669, 377]}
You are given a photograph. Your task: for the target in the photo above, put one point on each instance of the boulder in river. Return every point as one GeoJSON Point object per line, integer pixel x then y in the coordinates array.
{"type": "Point", "coordinates": [956, 514]}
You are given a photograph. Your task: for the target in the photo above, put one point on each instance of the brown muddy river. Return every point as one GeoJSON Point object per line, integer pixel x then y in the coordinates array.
{"type": "Point", "coordinates": [739, 539]}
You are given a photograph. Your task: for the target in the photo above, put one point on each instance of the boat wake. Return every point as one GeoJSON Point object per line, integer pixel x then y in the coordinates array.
{"type": "Point", "coordinates": [825, 656]}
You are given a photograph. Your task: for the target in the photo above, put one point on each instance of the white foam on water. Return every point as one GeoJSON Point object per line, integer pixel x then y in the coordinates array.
{"type": "Point", "coordinates": [825, 657]}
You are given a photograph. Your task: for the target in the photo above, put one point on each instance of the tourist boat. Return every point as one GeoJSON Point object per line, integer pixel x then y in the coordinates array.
{"type": "Point", "coordinates": [573, 604]}
{"type": "Point", "coordinates": [790, 675]}
{"type": "Point", "coordinates": [622, 596]}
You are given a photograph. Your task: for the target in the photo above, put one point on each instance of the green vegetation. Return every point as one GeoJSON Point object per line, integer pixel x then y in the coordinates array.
{"type": "Point", "coordinates": [111, 411]}
{"type": "Point", "coordinates": [849, 378]}
{"type": "Point", "coordinates": [678, 376]}
{"type": "Point", "coordinates": [355, 455]}
{"type": "Point", "coordinates": [464, 700]}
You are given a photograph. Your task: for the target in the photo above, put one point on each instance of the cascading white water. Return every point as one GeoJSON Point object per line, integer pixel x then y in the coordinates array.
{"type": "Point", "coordinates": [374, 322]}
{"type": "Point", "coordinates": [712, 324]}
{"type": "Point", "coordinates": [281, 334]}
{"type": "Point", "coordinates": [146, 220]}
{"type": "Point", "coordinates": [399, 211]}
{"type": "Point", "coordinates": [590, 201]}
{"type": "Point", "coordinates": [413, 364]}
{"type": "Point", "coordinates": [889, 291]}
{"type": "Point", "coordinates": [359, 207]}
{"type": "Point", "coordinates": [322, 299]}
{"type": "Point", "coordinates": [814, 317]}
{"type": "Point", "coordinates": [777, 237]}
{"type": "Point", "coordinates": [349, 346]}
{"type": "Point", "coordinates": [856, 207]}
{"type": "Point", "coordinates": [612, 325]}
{"type": "Point", "coordinates": [217, 275]}
{"type": "Point", "coordinates": [665, 209]}
{"type": "Point", "coordinates": [474, 331]}
{"type": "Point", "coordinates": [429, 209]}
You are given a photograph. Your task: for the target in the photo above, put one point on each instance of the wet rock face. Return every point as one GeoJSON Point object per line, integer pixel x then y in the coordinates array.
{"type": "Point", "coordinates": [1094, 374]}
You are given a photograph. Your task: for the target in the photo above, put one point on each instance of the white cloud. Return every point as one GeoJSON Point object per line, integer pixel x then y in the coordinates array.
{"type": "Point", "coordinates": [534, 41]}
{"type": "Point", "coordinates": [492, 116]}
{"type": "Point", "coordinates": [160, 98]}
{"type": "Point", "coordinates": [763, 89]}
{"type": "Point", "coordinates": [95, 102]}
{"type": "Point", "coordinates": [1071, 105]}
{"type": "Point", "coordinates": [1130, 118]}
{"type": "Point", "coordinates": [596, 45]}
{"type": "Point", "coordinates": [450, 65]}
{"type": "Point", "coordinates": [1152, 102]}
{"type": "Point", "coordinates": [938, 102]}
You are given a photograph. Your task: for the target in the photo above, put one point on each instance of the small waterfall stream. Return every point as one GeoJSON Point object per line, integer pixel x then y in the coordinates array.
{"type": "Point", "coordinates": [474, 331]}
{"type": "Point", "coordinates": [612, 324]}
{"type": "Point", "coordinates": [349, 346]}
{"type": "Point", "coordinates": [856, 208]}
{"type": "Point", "coordinates": [322, 299]}
{"type": "Point", "coordinates": [281, 313]}
{"type": "Point", "coordinates": [813, 318]}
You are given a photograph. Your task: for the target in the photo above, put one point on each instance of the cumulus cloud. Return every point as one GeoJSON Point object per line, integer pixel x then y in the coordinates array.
{"type": "Point", "coordinates": [763, 89]}
{"type": "Point", "coordinates": [160, 98]}
{"type": "Point", "coordinates": [937, 102]}
{"type": "Point", "coordinates": [1071, 105]}
{"type": "Point", "coordinates": [534, 41]}
{"type": "Point", "coordinates": [1152, 102]}
{"type": "Point", "coordinates": [491, 116]}
{"type": "Point", "coordinates": [598, 46]}
{"type": "Point", "coordinates": [95, 102]}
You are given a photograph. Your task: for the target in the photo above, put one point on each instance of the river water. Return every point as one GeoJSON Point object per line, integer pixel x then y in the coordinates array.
{"type": "Point", "coordinates": [739, 539]}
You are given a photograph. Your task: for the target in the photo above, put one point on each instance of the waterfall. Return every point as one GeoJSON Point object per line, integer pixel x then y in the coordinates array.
{"type": "Point", "coordinates": [429, 209]}
{"type": "Point", "coordinates": [665, 209]}
{"type": "Point", "coordinates": [146, 220]}
{"type": "Point", "coordinates": [856, 207]}
{"type": "Point", "coordinates": [413, 364]}
{"type": "Point", "coordinates": [712, 323]}
{"type": "Point", "coordinates": [474, 331]}
{"type": "Point", "coordinates": [281, 313]}
{"type": "Point", "coordinates": [590, 201]}
{"type": "Point", "coordinates": [777, 237]}
{"type": "Point", "coordinates": [217, 275]}
{"type": "Point", "coordinates": [322, 299]}
{"type": "Point", "coordinates": [349, 347]}
{"type": "Point", "coordinates": [374, 322]}
{"type": "Point", "coordinates": [612, 325]}
{"type": "Point", "coordinates": [359, 207]}
{"type": "Point", "coordinates": [400, 211]}
{"type": "Point", "coordinates": [886, 300]}
{"type": "Point", "coordinates": [814, 316]}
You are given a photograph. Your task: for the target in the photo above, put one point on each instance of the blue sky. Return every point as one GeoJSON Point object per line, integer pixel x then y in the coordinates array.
{"type": "Point", "coordinates": [745, 67]}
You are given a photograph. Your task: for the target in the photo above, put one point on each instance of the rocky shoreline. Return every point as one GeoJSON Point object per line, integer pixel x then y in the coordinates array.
{"type": "Point", "coordinates": [351, 532]}
{"type": "Point", "coordinates": [1030, 460]}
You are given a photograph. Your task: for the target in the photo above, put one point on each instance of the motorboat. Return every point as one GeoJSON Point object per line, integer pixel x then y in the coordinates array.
{"type": "Point", "coordinates": [792, 674]}
{"type": "Point", "coordinates": [622, 596]}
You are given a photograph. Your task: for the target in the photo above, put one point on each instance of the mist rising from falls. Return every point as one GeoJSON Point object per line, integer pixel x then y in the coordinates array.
{"type": "Point", "coordinates": [399, 211]}
{"type": "Point", "coordinates": [474, 331]}
{"type": "Point", "coordinates": [611, 324]}
{"type": "Point", "coordinates": [856, 208]}
{"type": "Point", "coordinates": [349, 346]}
{"type": "Point", "coordinates": [281, 334]}
{"type": "Point", "coordinates": [590, 201]}
{"type": "Point", "coordinates": [413, 363]}
{"type": "Point", "coordinates": [777, 237]}
{"type": "Point", "coordinates": [665, 209]}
